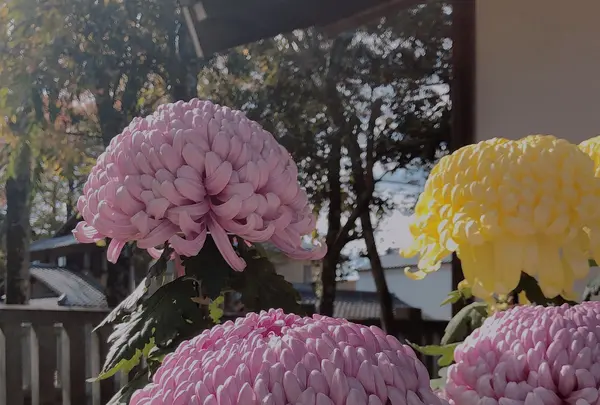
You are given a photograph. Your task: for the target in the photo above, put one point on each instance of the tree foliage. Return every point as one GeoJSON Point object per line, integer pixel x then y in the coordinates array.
{"type": "Point", "coordinates": [80, 70]}
{"type": "Point", "coordinates": [352, 109]}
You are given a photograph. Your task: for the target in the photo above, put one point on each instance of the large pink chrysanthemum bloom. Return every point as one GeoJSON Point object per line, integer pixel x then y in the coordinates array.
{"type": "Point", "coordinates": [532, 356]}
{"type": "Point", "coordinates": [190, 169]}
{"type": "Point", "coordinates": [273, 358]}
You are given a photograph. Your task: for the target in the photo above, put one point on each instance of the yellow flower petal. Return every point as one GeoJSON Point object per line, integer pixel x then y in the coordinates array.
{"type": "Point", "coordinates": [511, 206]}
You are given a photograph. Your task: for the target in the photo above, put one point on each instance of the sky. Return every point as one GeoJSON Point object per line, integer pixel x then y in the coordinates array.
{"type": "Point", "coordinates": [393, 230]}
{"type": "Point", "coordinates": [392, 233]}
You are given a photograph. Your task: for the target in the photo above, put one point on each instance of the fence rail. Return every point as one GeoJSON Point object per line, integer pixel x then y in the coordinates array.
{"type": "Point", "coordinates": [52, 354]}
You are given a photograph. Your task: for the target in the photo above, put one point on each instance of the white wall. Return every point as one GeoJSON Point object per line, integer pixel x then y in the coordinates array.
{"type": "Point", "coordinates": [537, 68]}
{"type": "Point", "coordinates": [426, 294]}
{"type": "Point", "coordinates": [296, 271]}
{"type": "Point", "coordinates": [537, 63]}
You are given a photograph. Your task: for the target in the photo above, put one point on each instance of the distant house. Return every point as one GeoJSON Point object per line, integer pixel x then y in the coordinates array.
{"type": "Point", "coordinates": [294, 271]}
{"type": "Point", "coordinates": [426, 294]}
{"type": "Point", "coordinates": [52, 286]}
{"type": "Point", "coordinates": [67, 252]}
{"type": "Point", "coordinates": [357, 306]}
{"type": "Point", "coordinates": [77, 262]}
{"type": "Point", "coordinates": [88, 259]}
{"type": "Point", "coordinates": [351, 302]}
{"type": "Point", "coordinates": [63, 287]}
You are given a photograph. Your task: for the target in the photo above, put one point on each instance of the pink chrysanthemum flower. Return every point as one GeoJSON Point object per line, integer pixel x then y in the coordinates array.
{"type": "Point", "coordinates": [273, 358]}
{"type": "Point", "coordinates": [190, 169]}
{"type": "Point", "coordinates": [530, 356]}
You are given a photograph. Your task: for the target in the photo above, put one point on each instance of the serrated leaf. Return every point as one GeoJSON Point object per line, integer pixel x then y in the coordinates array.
{"type": "Point", "coordinates": [188, 331]}
{"type": "Point", "coordinates": [464, 322]}
{"type": "Point", "coordinates": [127, 306]}
{"type": "Point", "coordinates": [446, 352]}
{"type": "Point", "coordinates": [157, 321]}
{"type": "Point", "coordinates": [453, 296]}
{"type": "Point", "coordinates": [209, 267]}
{"type": "Point", "coordinates": [138, 295]}
{"type": "Point", "coordinates": [261, 287]}
{"type": "Point", "coordinates": [123, 396]}
{"type": "Point", "coordinates": [160, 266]}
{"type": "Point", "coordinates": [215, 310]}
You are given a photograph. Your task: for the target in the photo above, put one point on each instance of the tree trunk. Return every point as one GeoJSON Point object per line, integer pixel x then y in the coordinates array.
{"type": "Point", "coordinates": [70, 197]}
{"type": "Point", "coordinates": [334, 218]}
{"type": "Point", "coordinates": [184, 84]}
{"type": "Point", "coordinates": [334, 215]}
{"type": "Point", "coordinates": [184, 68]}
{"type": "Point", "coordinates": [364, 186]}
{"type": "Point", "coordinates": [18, 205]}
{"type": "Point", "coordinates": [110, 120]}
{"type": "Point", "coordinates": [117, 282]}
{"type": "Point", "coordinates": [111, 123]}
{"type": "Point", "coordinates": [183, 90]}
{"type": "Point", "coordinates": [385, 298]}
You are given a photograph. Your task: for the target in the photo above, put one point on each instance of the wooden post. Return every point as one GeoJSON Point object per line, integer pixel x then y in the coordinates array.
{"type": "Point", "coordinates": [462, 93]}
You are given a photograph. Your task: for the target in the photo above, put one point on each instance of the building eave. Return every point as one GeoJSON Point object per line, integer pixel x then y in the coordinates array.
{"type": "Point", "coordinates": [217, 25]}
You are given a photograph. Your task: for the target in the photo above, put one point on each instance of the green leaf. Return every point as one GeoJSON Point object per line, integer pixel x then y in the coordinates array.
{"type": "Point", "coordinates": [138, 295]}
{"type": "Point", "coordinates": [160, 266]}
{"type": "Point", "coordinates": [123, 396]}
{"type": "Point", "coordinates": [453, 296]}
{"type": "Point", "coordinates": [187, 332]}
{"type": "Point", "coordinates": [445, 351]}
{"type": "Point", "coordinates": [215, 310]}
{"type": "Point", "coordinates": [127, 306]}
{"type": "Point", "coordinates": [209, 267]}
{"type": "Point", "coordinates": [464, 322]}
{"type": "Point", "coordinates": [260, 285]}
{"type": "Point", "coordinates": [156, 322]}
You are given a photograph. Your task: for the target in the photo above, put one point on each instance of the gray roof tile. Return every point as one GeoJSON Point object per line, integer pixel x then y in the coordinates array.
{"type": "Point", "coordinates": [53, 243]}
{"type": "Point", "coordinates": [353, 305]}
{"type": "Point", "coordinates": [74, 290]}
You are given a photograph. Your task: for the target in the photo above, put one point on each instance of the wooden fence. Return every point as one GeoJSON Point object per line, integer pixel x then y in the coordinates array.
{"type": "Point", "coordinates": [52, 353]}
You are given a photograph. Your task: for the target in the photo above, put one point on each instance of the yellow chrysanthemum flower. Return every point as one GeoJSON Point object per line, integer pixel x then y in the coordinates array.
{"type": "Point", "coordinates": [591, 147]}
{"type": "Point", "coordinates": [509, 206]}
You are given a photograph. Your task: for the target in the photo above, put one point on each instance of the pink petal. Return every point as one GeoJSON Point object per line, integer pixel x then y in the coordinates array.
{"type": "Point", "coordinates": [114, 250]}
{"type": "Point", "coordinates": [222, 241]}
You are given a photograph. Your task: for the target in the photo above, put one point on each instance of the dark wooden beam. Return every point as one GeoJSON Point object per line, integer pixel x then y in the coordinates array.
{"type": "Point", "coordinates": [462, 93]}
{"type": "Point", "coordinates": [216, 25]}
{"type": "Point", "coordinates": [371, 14]}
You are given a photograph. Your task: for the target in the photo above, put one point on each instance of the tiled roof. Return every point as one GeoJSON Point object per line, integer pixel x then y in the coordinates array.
{"type": "Point", "coordinates": [74, 290]}
{"type": "Point", "coordinates": [391, 259]}
{"type": "Point", "coordinates": [353, 305]}
{"type": "Point", "coordinates": [53, 243]}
